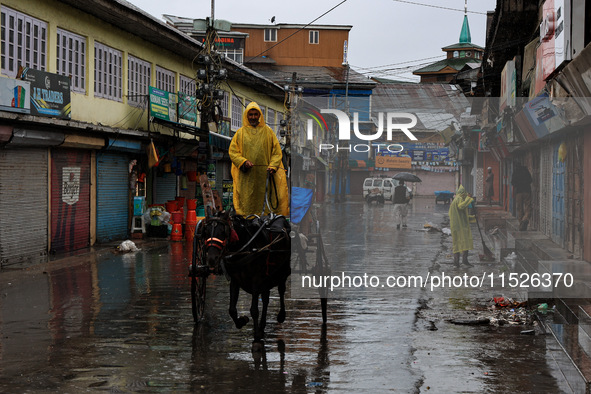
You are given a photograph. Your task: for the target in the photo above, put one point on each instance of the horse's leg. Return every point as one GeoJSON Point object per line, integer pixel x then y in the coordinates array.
{"type": "Point", "coordinates": [254, 313]}
{"type": "Point", "coordinates": [263, 321]}
{"type": "Point", "coordinates": [281, 314]}
{"type": "Point", "coordinates": [234, 292]}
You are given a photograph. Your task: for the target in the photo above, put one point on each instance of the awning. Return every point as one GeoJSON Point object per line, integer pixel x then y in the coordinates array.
{"type": "Point", "coordinates": [83, 142]}
{"type": "Point", "coordinates": [124, 145]}
{"type": "Point", "coordinates": [36, 138]}
{"type": "Point", "coordinates": [361, 163]}
{"type": "Point", "coordinates": [322, 161]}
{"type": "Point", "coordinates": [219, 141]}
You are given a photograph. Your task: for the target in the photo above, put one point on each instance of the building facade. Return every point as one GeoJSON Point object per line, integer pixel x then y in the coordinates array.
{"type": "Point", "coordinates": [87, 86]}
{"type": "Point", "coordinates": [536, 113]}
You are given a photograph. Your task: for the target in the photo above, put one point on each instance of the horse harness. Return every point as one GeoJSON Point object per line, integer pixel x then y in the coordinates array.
{"type": "Point", "coordinates": [273, 230]}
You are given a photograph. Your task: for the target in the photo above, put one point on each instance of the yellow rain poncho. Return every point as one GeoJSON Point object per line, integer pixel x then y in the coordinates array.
{"type": "Point", "coordinates": [260, 146]}
{"type": "Point", "coordinates": [458, 221]}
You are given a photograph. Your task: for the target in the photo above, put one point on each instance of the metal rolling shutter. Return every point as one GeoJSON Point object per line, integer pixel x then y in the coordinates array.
{"type": "Point", "coordinates": [164, 188]}
{"type": "Point", "coordinates": [70, 200]}
{"type": "Point", "coordinates": [112, 197]}
{"type": "Point", "coordinates": [23, 205]}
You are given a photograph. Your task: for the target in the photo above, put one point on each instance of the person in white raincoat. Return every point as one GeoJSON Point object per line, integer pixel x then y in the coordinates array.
{"type": "Point", "coordinates": [255, 152]}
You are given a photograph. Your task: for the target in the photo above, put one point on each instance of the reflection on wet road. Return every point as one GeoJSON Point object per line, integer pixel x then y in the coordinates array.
{"type": "Point", "coordinates": [123, 323]}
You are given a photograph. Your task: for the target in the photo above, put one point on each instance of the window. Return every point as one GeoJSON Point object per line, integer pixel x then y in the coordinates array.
{"type": "Point", "coordinates": [165, 79]}
{"type": "Point", "coordinates": [24, 42]}
{"type": "Point", "coordinates": [188, 86]}
{"type": "Point", "coordinates": [468, 54]}
{"type": "Point", "coordinates": [314, 36]}
{"type": "Point", "coordinates": [236, 113]}
{"type": "Point", "coordinates": [108, 73]}
{"type": "Point", "coordinates": [270, 119]}
{"type": "Point", "coordinates": [271, 35]}
{"type": "Point", "coordinates": [462, 53]}
{"type": "Point", "coordinates": [264, 112]}
{"type": "Point", "coordinates": [138, 82]}
{"type": "Point", "coordinates": [456, 53]}
{"type": "Point", "coordinates": [71, 58]}
{"type": "Point", "coordinates": [235, 54]}
{"type": "Point", "coordinates": [224, 104]}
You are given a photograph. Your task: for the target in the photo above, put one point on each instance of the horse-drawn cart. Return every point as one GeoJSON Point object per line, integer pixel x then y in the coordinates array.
{"type": "Point", "coordinates": [254, 253]}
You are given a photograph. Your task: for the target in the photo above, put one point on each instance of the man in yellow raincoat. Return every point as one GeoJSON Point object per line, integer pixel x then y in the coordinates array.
{"type": "Point", "coordinates": [255, 152]}
{"type": "Point", "coordinates": [461, 234]}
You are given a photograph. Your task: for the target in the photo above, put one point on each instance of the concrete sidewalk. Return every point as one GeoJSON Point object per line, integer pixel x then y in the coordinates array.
{"type": "Point", "coordinates": [569, 319]}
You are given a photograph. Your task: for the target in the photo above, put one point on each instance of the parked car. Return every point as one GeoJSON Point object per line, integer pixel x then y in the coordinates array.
{"type": "Point", "coordinates": [386, 187]}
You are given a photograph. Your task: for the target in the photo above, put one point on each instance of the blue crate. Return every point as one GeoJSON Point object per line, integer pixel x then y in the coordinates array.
{"type": "Point", "coordinates": [443, 195]}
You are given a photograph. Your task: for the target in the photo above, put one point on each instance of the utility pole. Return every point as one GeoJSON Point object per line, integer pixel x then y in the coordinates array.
{"type": "Point", "coordinates": [287, 123]}
{"type": "Point", "coordinates": [208, 79]}
{"type": "Point", "coordinates": [344, 157]}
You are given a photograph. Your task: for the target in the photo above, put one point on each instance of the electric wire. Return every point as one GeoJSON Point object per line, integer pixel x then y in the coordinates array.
{"type": "Point", "coordinates": [440, 7]}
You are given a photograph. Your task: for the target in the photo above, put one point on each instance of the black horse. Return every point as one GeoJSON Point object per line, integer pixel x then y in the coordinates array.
{"type": "Point", "coordinates": [254, 254]}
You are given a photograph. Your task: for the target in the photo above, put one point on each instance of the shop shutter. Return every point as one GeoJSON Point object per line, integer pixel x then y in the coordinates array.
{"type": "Point", "coordinates": [112, 197]}
{"type": "Point", "coordinates": [164, 188]}
{"type": "Point", "coordinates": [70, 200]}
{"type": "Point", "coordinates": [23, 206]}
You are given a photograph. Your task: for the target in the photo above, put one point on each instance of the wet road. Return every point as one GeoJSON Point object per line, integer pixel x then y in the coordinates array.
{"type": "Point", "coordinates": [122, 323]}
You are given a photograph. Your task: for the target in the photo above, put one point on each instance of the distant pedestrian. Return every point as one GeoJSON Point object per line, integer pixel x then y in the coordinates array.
{"type": "Point", "coordinates": [401, 199]}
{"type": "Point", "coordinates": [490, 185]}
{"type": "Point", "coordinates": [521, 181]}
{"type": "Point", "coordinates": [461, 234]}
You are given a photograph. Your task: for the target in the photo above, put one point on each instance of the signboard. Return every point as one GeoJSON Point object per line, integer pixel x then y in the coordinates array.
{"type": "Point", "coordinates": [393, 162]}
{"type": "Point", "coordinates": [543, 116]}
{"type": "Point", "coordinates": [163, 104]}
{"type": "Point", "coordinates": [482, 142]}
{"type": "Point", "coordinates": [15, 95]}
{"type": "Point", "coordinates": [227, 192]}
{"type": "Point", "coordinates": [50, 93]}
{"type": "Point", "coordinates": [418, 152]}
{"type": "Point", "coordinates": [71, 185]}
{"type": "Point", "coordinates": [187, 107]}
{"type": "Point", "coordinates": [225, 42]}
{"type": "Point", "coordinates": [555, 35]}
{"type": "Point", "coordinates": [508, 86]}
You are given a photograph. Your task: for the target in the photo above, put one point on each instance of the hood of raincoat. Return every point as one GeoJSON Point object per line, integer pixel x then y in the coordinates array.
{"type": "Point", "coordinates": [245, 122]}
{"type": "Point", "coordinates": [461, 191]}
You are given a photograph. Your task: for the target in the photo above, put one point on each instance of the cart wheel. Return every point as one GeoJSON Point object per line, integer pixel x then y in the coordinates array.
{"type": "Point", "coordinates": [198, 297]}
{"type": "Point", "coordinates": [198, 281]}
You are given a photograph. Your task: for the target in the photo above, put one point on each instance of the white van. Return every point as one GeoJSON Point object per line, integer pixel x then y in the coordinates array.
{"type": "Point", "coordinates": [386, 186]}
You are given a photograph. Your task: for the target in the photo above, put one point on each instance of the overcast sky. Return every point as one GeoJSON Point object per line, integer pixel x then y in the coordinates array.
{"type": "Point", "coordinates": [386, 34]}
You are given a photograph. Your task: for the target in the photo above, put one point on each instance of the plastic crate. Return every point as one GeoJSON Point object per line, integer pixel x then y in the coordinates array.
{"type": "Point", "coordinates": [444, 195]}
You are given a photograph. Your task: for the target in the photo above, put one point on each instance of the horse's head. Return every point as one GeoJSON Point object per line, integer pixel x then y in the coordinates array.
{"type": "Point", "coordinates": [215, 233]}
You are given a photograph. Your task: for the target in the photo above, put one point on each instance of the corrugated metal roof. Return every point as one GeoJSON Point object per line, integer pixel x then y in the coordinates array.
{"type": "Point", "coordinates": [456, 63]}
{"type": "Point", "coordinates": [435, 105]}
{"type": "Point", "coordinates": [317, 76]}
